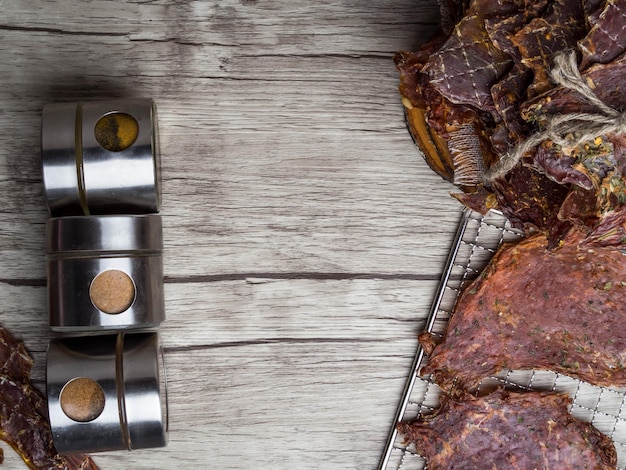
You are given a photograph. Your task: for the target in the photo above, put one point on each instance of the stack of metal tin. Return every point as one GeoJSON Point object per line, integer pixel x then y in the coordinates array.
{"type": "Point", "coordinates": [106, 384]}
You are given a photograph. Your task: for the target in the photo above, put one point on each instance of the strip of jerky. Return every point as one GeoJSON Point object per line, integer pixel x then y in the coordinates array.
{"type": "Point", "coordinates": [535, 308]}
{"type": "Point", "coordinates": [23, 414]}
{"type": "Point", "coordinates": [606, 80]}
{"type": "Point", "coordinates": [516, 431]}
{"type": "Point", "coordinates": [607, 38]}
{"type": "Point", "coordinates": [468, 63]}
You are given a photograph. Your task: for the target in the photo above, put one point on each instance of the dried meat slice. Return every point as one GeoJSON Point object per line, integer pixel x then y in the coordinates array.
{"type": "Point", "coordinates": [468, 64]}
{"type": "Point", "coordinates": [534, 308]}
{"type": "Point", "coordinates": [23, 414]}
{"type": "Point", "coordinates": [538, 41]}
{"type": "Point", "coordinates": [410, 65]}
{"type": "Point", "coordinates": [502, 27]}
{"type": "Point", "coordinates": [530, 200]}
{"type": "Point", "coordinates": [607, 38]}
{"type": "Point", "coordinates": [606, 81]}
{"type": "Point", "coordinates": [451, 136]}
{"type": "Point", "coordinates": [451, 12]}
{"type": "Point", "coordinates": [517, 431]}
{"type": "Point", "coordinates": [593, 9]}
{"type": "Point", "coordinates": [507, 95]}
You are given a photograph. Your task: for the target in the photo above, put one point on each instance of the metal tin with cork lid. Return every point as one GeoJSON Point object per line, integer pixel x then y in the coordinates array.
{"type": "Point", "coordinates": [107, 392]}
{"type": "Point", "coordinates": [101, 157]}
{"type": "Point", "coordinates": [105, 272]}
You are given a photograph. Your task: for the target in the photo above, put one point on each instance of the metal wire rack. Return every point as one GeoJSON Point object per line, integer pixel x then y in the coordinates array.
{"type": "Point", "coordinates": [477, 239]}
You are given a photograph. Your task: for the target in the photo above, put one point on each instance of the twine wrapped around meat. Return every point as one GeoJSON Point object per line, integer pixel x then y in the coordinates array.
{"type": "Point", "coordinates": [566, 129]}
{"type": "Point", "coordinates": [499, 107]}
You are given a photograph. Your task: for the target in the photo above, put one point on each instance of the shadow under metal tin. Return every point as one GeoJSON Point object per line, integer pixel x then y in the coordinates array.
{"type": "Point", "coordinates": [107, 392]}
{"type": "Point", "coordinates": [105, 272]}
{"type": "Point", "coordinates": [101, 157]}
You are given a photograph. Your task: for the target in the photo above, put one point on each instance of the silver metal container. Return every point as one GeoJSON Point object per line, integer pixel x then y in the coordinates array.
{"type": "Point", "coordinates": [101, 157]}
{"type": "Point", "coordinates": [107, 392]}
{"type": "Point", "coordinates": [105, 272]}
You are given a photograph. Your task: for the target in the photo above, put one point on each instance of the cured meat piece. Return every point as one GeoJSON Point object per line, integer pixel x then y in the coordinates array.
{"type": "Point", "coordinates": [593, 8]}
{"type": "Point", "coordinates": [468, 64]}
{"type": "Point", "coordinates": [487, 104]}
{"type": "Point", "coordinates": [451, 136]}
{"type": "Point", "coordinates": [611, 231]}
{"type": "Point", "coordinates": [410, 65]}
{"type": "Point", "coordinates": [584, 209]}
{"type": "Point", "coordinates": [507, 95]}
{"type": "Point", "coordinates": [561, 168]}
{"type": "Point", "coordinates": [517, 431]}
{"type": "Point", "coordinates": [451, 12]}
{"type": "Point", "coordinates": [23, 414]}
{"type": "Point", "coordinates": [532, 308]}
{"type": "Point", "coordinates": [532, 43]}
{"type": "Point", "coordinates": [607, 82]}
{"type": "Point", "coordinates": [502, 28]}
{"type": "Point", "coordinates": [607, 38]}
{"type": "Point", "coordinates": [529, 200]}
{"type": "Point", "coordinates": [559, 29]}
{"type": "Point", "coordinates": [579, 208]}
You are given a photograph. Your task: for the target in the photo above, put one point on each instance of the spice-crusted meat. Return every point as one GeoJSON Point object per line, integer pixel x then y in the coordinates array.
{"type": "Point", "coordinates": [533, 308]}
{"type": "Point", "coordinates": [23, 415]}
{"type": "Point", "coordinates": [517, 431]}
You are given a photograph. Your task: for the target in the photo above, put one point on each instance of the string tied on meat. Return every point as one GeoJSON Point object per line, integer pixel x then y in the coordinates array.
{"type": "Point", "coordinates": [570, 129]}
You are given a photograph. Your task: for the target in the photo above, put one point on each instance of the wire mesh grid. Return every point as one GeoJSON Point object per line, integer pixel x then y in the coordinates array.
{"type": "Point", "coordinates": [477, 239]}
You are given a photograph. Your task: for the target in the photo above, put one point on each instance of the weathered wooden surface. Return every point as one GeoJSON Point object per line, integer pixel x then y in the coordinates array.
{"type": "Point", "coordinates": [304, 235]}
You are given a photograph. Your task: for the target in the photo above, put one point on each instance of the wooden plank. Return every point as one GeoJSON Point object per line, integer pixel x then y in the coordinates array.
{"type": "Point", "coordinates": [303, 233]}
{"type": "Point", "coordinates": [278, 372]}
{"type": "Point", "coordinates": [277, 406]}
{"type": "Point", "coordinates": [228, 313]}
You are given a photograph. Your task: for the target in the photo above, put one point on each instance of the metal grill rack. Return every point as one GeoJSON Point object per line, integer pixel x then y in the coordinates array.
{"type": "Point", "coordinates": [477, 239]}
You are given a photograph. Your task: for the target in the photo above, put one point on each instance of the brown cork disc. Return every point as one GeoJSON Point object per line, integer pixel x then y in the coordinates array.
{"type": "Point", "coordinates": [116, 131]}
{"type": "Point", "coordinates": [82, 399]}
{"type": "Point", "coordinates": [112, 291]}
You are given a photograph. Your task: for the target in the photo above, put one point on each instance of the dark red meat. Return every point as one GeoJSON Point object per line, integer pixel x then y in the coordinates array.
{"type": "Point", "coordinates": [607, 38]}
{"type": "Point", "coordinates": [23, 414]}
{"type": "Point", "coordinates": [516, 431]}
{"type": "Point", "coordinates": [533, 308]}
{"type": "Point", "coordinates": [607, 82]}
{"type": "Point", "coordinates": [468, 64]}
{"type": "Point", "coordinates": [487, 81]}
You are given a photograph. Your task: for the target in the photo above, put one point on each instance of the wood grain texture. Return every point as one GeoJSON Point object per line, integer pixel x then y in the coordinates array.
{"type": "Point", "coordinates": [304, 235]}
